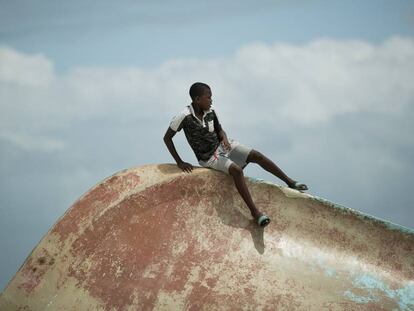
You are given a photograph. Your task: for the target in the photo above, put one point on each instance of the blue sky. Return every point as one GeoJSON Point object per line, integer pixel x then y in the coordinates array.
{"type": "Point", "coordinates": [324, 88]}
{"type": "Point", "coordinates": [148, 33]}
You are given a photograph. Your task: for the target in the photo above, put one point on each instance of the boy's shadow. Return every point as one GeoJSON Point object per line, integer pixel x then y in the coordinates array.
{"type": "Point", "coordinates": [256, 232]}
{"type": "Point", "coordinates": [230, 213]}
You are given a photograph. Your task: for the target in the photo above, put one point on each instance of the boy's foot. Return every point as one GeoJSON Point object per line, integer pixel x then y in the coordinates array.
{"type": "Point", "coordinates": [263, 220]}
{"type": "Point", "coordinates": [297, 186]}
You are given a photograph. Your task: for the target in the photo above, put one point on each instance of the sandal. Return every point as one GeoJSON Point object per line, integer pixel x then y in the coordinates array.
{"type": "Point", "coordinates": [299, 187]}
{"type": "Point", "coordinates": [263, 221]}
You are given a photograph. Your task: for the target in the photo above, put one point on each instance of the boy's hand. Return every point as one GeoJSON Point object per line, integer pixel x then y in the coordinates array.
{"type": "Point", "coordinates": [186, 167]}
{"type": "Point", "coordinates": [226, 144]}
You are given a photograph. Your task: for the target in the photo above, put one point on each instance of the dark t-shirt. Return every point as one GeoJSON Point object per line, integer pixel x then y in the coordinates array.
{"type": "Point", "coordinates": [202, 135]}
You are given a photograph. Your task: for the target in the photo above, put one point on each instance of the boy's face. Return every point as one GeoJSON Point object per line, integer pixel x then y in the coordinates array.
{"type": "Point", "coordinates": [204, 101]}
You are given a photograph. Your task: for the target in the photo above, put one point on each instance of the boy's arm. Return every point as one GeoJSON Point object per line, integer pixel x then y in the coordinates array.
{"type": "Point", "coordinates": [223, 139]}
{"type": "Point", "coordinates": [221, 134]}
{"type": "Point", "coordinates": [186, 167]}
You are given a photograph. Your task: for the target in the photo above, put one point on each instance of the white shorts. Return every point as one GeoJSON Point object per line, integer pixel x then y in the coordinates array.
{"type": "Point", "coordinates": [222, 159]}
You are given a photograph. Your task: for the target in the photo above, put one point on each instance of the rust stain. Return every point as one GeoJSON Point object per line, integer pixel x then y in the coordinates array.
{"type": "Point", "coordinates": [34, 270]}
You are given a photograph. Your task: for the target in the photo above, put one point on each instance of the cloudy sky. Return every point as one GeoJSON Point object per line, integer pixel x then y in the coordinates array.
{"type": "Point", "coordinates": [88, 88]}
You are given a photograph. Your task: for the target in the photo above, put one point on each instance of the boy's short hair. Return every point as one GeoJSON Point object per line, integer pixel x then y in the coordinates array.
{"type": "Point", "coordinates": [197, 89]}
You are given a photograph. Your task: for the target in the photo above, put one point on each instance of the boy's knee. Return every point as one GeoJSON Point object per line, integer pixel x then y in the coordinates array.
{"type": "Point", "coordinates": [254, 156]}
{"type": "Point", "coordinates": [235, 170]}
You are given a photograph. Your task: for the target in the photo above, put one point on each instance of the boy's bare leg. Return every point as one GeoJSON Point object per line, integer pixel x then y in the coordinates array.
{"type": "Point", "coordinates": [237, 173]}
{"type": "Point", "coordinates": [268, 165]}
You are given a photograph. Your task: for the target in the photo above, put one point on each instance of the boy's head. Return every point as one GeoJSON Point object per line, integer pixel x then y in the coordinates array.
{"type": "Point", "coordinates": [200, 93]}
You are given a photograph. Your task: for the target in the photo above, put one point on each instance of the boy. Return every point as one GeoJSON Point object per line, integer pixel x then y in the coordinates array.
{"type": "Point", "coordinates": [214, 150]}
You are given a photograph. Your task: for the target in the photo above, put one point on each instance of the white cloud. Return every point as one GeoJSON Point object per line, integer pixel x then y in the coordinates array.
{"type": "Point", "coordinates": [316, 82]}
{"type": "Point", "coordinates": [292, 85]}
{"type": "Point", "coordinates": [23, 69]}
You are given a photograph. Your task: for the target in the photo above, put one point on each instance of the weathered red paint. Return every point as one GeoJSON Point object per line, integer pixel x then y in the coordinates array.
{"type": "Point", "coordinates": [102, 194]}
{"type": "Point", "coordinates": [156, 238]}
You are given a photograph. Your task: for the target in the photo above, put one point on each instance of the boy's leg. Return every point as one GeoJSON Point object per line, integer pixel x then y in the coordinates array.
{"type": "Point", "coordinates": [221, 162]}
{"type": "Point", "coordinates": [267, 164]}
{"type": "Point", "coordinates": [237, 173]}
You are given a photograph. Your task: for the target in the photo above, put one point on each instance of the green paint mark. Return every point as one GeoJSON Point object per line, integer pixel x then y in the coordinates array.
{"type": "Point", "coordinates": [358, 299]}
{"type": "Point", "coordinates": [403, 296]}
